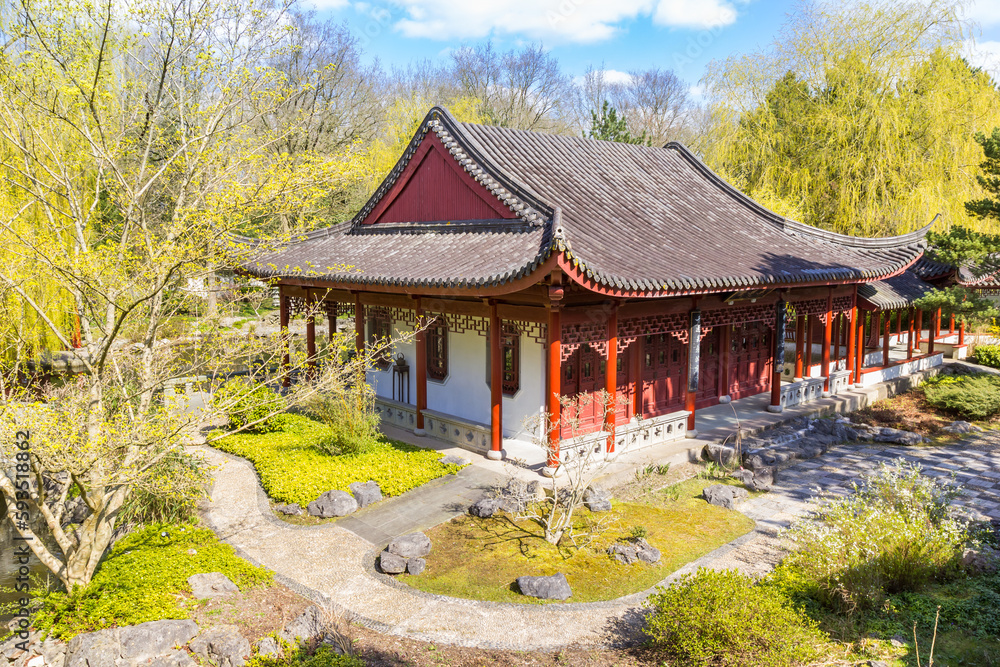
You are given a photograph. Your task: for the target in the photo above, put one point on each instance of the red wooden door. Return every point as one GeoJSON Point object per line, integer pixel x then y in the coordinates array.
{"type": "Point", "coordinates": [584, 373]}
{"type": "Point", "coordinates": [663, 374]}
{"type": "Point", "coordinates": [750, 359]}
{"type": "Point", "coordinates": [708, 373]}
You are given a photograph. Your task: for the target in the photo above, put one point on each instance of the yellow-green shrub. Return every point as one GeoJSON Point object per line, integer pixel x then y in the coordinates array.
{"type": "Point", "coordinates": [293, 469]}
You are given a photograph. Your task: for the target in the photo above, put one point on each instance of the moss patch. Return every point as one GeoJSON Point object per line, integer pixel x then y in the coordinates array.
{"type": "Point", "coordinates": [145, 579]}
{"type": "Point", "coordinates": [481, 558]}
{"type": "Point", "coordinates": [293, 470]}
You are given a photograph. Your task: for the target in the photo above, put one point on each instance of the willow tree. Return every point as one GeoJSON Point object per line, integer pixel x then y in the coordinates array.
{"type": "Point", "coordinates": [859, 118]}
{"type": "Point", "coordinates": [131, 146]}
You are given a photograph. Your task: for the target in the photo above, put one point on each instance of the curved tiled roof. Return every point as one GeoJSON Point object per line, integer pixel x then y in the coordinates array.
{"type": "Point", "coordinates": [628, 217]}
{"type": "Point", "coordinates": [896, 292]}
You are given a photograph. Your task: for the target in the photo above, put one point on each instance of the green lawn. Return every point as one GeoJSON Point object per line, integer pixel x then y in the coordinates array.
{"type": "Point", "coordinates": [293, 470]}
{"type": "Point", "coordinates": [481, 558]}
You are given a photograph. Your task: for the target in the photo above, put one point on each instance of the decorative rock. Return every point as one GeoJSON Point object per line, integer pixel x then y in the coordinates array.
{"type": "Point", "coordinates": [597, 499]}
{"type": "Point", "coordinates": [755, 461]}
{"type": "Point", "coordinates": [877, 663]}
{"type": "Point", "coordinates": [763, 479]}
{"type": "Point", "coordinates": [292, 509]}
{"type": "Point", "coordinates": [962, 427]}
{"type": "Point", "coordinates": [154, 638]}
{"type": "Point", "coordinates": [415, 566]}
{"type": "Point", "coordinates": [896, 436]}
{"type": "Point", "coordinates": [744, 475]}
{"type": "Point", "coordinates": [392, 563]}
{"type": "Point", "coordinates": [485, 507]}
{"type": "Point", "coordinates": [366, 493]}
{"type": "Point", "coordinates": [333, 503]}
{"type": "Point", "coordinates": [554, 587]}
{"type": "Point", "coordinates": [981, 561]}
{"type": "Point", "coordinates": [414, 545]}
{"type": "Point", "coordinates": [535, 491]}
{"type": "Point", "coordinates": [76, 511]}
{"type": "Point", "coordinates": [173, 659]}
{"type": "Point", "coordinates": [811, 451]}
{"type": "Point", "coordinates": [724, 495]}
{"type": "Point", "coordinates": [210, 585]}
{"type": "Point", "coordinates": [94, 649]}
{"type": "Point", "coordinates": [455, 459]}
{"type": "Point", "coordinates": [222, 645]}
{"type": "Point", "coordinates": [632, 552]}
{"type": "Point", "coordinates": [268, 646]}
{"type": "Point", "coordinates": [54, 652]}
{"type": "Point", "coordinates": [721, 454]}
{"type": "Point", "coordinates": [306, 627]}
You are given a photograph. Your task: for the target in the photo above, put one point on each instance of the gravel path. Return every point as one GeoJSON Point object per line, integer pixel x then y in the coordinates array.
{"type": "Point", "coordinates": [331, 564]}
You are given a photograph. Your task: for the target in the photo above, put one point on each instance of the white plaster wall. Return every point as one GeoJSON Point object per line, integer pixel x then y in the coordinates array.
{"type": "Point", "coordinates": [465, 393]}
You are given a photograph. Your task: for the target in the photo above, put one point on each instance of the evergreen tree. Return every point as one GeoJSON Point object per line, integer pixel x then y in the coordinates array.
{"type": "Point", "coordinates": [988, 207]}
{"type": "Point", "coordinates": [610, 126]}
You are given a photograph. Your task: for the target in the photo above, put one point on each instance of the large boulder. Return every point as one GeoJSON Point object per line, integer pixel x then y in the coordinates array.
{"type": "Point", "coordinates": [415, 566]}
{"type": "Point", "coordinates": [554, 587]}
{"type": "Point", "coordinates": [94, 649]}
{"type": "Point", "coordinates": [333, 503]}
{"type": "Point", "coordinates": [155, 638]}
{"type": "Point", "coordinates": [414, 545]}
{"type": "Point", "coordinates": [597, 499]}
{"type": "Point", "coordinates": [392, 563]}
{"type": "Point", "coordinates": [485, 507]}
{"type": "Point", "coordinates": [211, 585]}
{"type": "Point", "coordinates": [292, 509]}
{"type": "Point", "coordinates": [724, 495]}
{"type": "Point", "coordinates": [897, 436]}
{"type": "Point", "coordinates": [366, 493]}
{"type": "Point", "coordinates": [222, 645]}
{"type": "Point", "coordinates": [268, 646]}
{"type": "Point", "coordinates": [959, 427]}
{"type": "Point", "coordinates": [721, 454]}
{"type": "Point", "coordinates": [172, 659]}
{"type": "Point", "coordinates": [763, 479]}
{"type": "Point", "coordinates": [308, 626]}
{"type": "Point", "coordinates": [634, 551]}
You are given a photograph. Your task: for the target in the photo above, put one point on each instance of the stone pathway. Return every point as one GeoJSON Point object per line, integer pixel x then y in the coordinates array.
{"type": "Point", "coordinates": [333, 563]}
{"type": "Point", "coordinates": [425, 507]}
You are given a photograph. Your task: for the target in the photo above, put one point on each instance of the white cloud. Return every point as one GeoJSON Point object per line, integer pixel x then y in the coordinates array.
{"type": "Point", "coordinates": [985, 55]}
{"type": "Point", "coordinates": [696, 92]}
{"type": "Point", "coordinates": [583, 21]}
{"type": "Point", "coordinates": [615, 76]}
{"type": "Point", "coordinates": [984, 12]}
{"type": "Point", "coordinates": [695, 13]}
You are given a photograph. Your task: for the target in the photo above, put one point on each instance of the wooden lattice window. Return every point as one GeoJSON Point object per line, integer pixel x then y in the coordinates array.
{"type": "Point", "coordinates": [380, 331]}
{"type": "Point", "coordinates": [510, 360]}
{"type": "Point", "coordinates": [437, 350]}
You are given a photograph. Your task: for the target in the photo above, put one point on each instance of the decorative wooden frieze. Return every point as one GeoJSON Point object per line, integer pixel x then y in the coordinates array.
{"type": "Point", "coordinates": [750, 312]}
{"type": "Point", "coordinates": [842, 304]}
{"type": "Point", "coordinates": [811, 307]}
{"type": "Point", "coordinates": [593, 334]}
{"type": "Point", "coordinates": [463, 323]}
{"type": "Point", "coordinates": [676, 324]}
{"type": "Point", "coordinates": [536, 331]}
{"type": "Point", "coordinates": [337, 308]}
{"type": "Point", "coordinates": [296, 305]}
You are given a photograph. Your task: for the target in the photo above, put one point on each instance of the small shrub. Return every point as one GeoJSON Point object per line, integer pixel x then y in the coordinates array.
{"type": "Point", "coordinates": [248, 404]}
{"type": "Point", "coordinates": [639, 532]}
{"type": "Point", "coordinates": [324, 656]}
{"type": "Point", "coordinates": [142, 578]}
{"type": "Point", "coordinates": [973, 397]}
{"type": "Point", "coordinates": [349, 412]}
{"type": "Point", "coordinates": [725, 619]}
{"type": "Point", "coordinates": [988, 355]}
{"type": "Point", "coordinates": [895, 533]}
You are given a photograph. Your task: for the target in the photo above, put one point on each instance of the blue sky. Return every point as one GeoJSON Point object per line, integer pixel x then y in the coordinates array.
{"type": "Point", "coordinates": [682, 35]}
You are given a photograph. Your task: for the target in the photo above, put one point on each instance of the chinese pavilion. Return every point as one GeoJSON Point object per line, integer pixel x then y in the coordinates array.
{"type": "Point", "coordinates": [541, 266]}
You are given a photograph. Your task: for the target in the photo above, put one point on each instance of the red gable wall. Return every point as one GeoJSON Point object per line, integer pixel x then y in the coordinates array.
{"type": "Point", "coordinates": [434, 187]}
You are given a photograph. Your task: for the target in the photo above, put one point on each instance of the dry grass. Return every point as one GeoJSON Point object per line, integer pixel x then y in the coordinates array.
{"type": "Point", "coordinates": [909, 411]}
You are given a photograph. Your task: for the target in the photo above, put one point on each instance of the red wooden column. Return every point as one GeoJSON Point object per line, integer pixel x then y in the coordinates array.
{"type": "Point", "coordinates": [937, 323]}
{"type": "Point", "coordinates": [859, 347]}
{"type": "Point", "coordinates": [611, 379]}
{"type": "Point", "coordinates": [935, 315]}
{"type": "Point", "coordinates": [852, 330]}
{"type": "Point", "coordinates": [331, 323]}
{"type": "Point", "coordinates": [554, 374]}
{"type": "Point", "coordinates": [951, 325]}
{"type": "Point", "coordinates": [909, 337]}
{"type": "Point", "coordinates": [836, 339]}
{"type": "Point", "coordinates": [286, 361]}
{"type": "Point", "coordinates": [899, 326]}
{"type": "Point", "coordinates": [496, 385]}
{"type": "Point", "coordinates": [827, 335]}
{"type": "Point", "coordinates": [961, 332]}
{"type": "Point", "coordinates": [311, 337]}
{"type": "Point", "coordinates": [778, 360]}
{"type": "Point", "coordinates": [810, 325]}
{"type": "Point", "coordinates": [800, 342]}
{"type": "Point", "coordinates": [693, 368]}
{"type": "Point", "coordinates": [885, 341]}
{"type": "Point", "coordinates": [359, 324]}
{"type": "Point", "coordinates": [421, 379]}
{"type": "Point", "coordinates": [919, 328]}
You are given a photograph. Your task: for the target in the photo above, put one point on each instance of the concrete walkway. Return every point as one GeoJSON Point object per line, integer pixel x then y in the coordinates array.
{"type": "Point", "coordinates": [335, 565]}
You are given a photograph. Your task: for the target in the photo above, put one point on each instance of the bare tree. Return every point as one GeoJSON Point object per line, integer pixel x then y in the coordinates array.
{"type": "Point", "coordinates": [654, 102]}
{"type": "Point", "coordinates": [521, 88]}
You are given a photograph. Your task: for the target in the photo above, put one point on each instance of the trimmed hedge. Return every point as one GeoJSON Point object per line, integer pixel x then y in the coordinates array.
{"type": "Point", "coordinates": [293, 468]}
{"type": "Point", "coordinates": [988, 355]}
